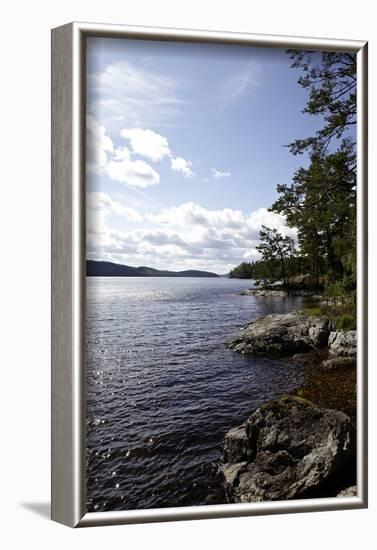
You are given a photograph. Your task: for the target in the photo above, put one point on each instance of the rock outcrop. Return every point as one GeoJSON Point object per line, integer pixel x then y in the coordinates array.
{"type": "Point", "coordinates": [334, 363]}
{"type": "Point", "coordinates": [264, 293]}
{"type": "Point", "coordinates": [279, 292]}
{"type": "Point", "coordinates": [283, 335]}
{"type": "Point", "coordinates": [348, 492]}
{"type": "Point", "coordinates": [343, 343]}
{"type": "Point", "coordinates": [288, 449]}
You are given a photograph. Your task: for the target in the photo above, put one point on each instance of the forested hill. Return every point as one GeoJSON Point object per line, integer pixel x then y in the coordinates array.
{"type": "Point", "coordinates": [109, 269]}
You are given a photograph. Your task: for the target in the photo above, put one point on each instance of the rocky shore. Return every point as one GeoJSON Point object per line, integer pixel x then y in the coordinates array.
{"type": "Point", "coordinates": [283, 335]}
{"type": "Point", "coordinates": [301, 286]}
{"type": "Point", "coordinates": [289, 448]}
{"type": "Point", "coordinates": [303, 445]}
{"type": "Point", "coordinates": [266, 292]}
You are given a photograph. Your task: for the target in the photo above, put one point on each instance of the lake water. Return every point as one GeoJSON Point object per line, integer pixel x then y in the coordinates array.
{"type": "Point", "coordinates": [163, 389]}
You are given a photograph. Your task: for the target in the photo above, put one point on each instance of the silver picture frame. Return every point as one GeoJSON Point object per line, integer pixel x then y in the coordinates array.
{"type": "Point", "coordinates": [68, 276]}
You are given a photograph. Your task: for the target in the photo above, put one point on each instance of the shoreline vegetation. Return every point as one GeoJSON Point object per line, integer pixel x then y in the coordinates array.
{"type": "Point", "coordinates": [304, 445]}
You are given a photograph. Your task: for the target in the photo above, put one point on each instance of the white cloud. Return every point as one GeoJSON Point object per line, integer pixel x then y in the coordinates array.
{"type": "Point", "coordinates": [96, 200]}
{"type": "Point", "coordinates": [99, 206]}
{"type": "Point", "coordinates": [181, 165]}
{"type": "Point", "coordinates": [270, 219]}
{"type": "Point", "coordinates": [191, 214]}
{"type": "Point", "coordinates": [155, 147]}
{"type": "Point", "coordinates": [147, 143]}
{"type": "Point", "coordinates": [187, 236]}
{"type": "Point", "coordinates": [135, 96]}
{"type": "Point", "coordinates": [216, 174]}
{"type": "Point", "coordinates": [136, 173]}
{"type": "Point", "coordinates": [251, 255]}
{"type": "Point", "coordinates": [163, 238]}
{"type": "Point", "coordinates": [122, 167]}
{"type": "Point", "coordinates": [240, 83]}
{"type": "Point", "coordinates": [98, 145]}
{"type": "Point", "coordinates": [122, 153]}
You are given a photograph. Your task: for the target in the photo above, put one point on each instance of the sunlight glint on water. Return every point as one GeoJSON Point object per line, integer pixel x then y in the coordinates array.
{"type": "Point", "coordinates": [162, 388]}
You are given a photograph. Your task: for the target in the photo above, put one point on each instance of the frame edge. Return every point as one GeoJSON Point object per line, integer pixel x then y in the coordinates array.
{"type": "Point", "coordinates": [362, 272]}
{"type": "Point", "coordinates": [67, 467]}
{"type": "Point", "coordinates": [220, 511]}
{"type": "Point", "coordinates": [68, 277]}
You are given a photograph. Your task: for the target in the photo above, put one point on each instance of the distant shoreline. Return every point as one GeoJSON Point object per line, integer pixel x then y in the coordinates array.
{"type": "Point", "coordinates": [109, 269]}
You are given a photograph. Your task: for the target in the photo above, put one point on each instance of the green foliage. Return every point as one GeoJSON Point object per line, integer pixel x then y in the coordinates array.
{"type": "Point", "coordinates": [312, 311]}
{"type": "Point", "coordinates": [242, 271]}
{"type": "Point", "coordinates": [277, 250]}
{"type": "Point", "coordinates": [340, 313]}
{"type": "Point", "coordinates": [320, 201]}
{"type": "Point", "coordinates": [330, 78]}
{"type": "Point", "coordinates": [343, 292]}
{"type": "Point", "coordinates": [267, 271]}
{"type": "Point", "coordinates": [339, 304]}
{"type": "Point", "coordinates": [345, 322]}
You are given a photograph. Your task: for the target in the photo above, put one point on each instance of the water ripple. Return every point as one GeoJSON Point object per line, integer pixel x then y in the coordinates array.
{"type": "Point", "coordinates": [162, 388]}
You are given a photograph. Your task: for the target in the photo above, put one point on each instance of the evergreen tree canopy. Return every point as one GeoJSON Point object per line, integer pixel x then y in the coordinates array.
{"type": "Point", "coordinates": [330, 78]}
{"type": "Point", "coordinates": [320, 201]}
{"type": "Point", "coordinates": [242, 271]}
{"type": "Point", "coordinates": [274, 247]}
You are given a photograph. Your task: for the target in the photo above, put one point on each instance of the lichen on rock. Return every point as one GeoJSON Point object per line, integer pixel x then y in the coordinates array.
{"type": "Point", "coordinates": [283, 335]}
{"type": "Point", "coordinates": [343, 343]}
{"type": "Point", "coordinates": [288, 448]}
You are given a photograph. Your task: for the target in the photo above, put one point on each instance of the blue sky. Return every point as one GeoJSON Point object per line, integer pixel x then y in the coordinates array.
{"type": "Point", "coordinates": [185, 149]}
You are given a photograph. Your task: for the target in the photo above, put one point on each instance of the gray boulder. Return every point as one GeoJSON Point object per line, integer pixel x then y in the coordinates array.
{"type": "Point", "coordinates": [337, 363]}
{"type": "Point", "coordinates": [288, 449]}
{"type": "Point", "coordinates": [343, 343]}
{"type": "Point", "coordinates": [236, 444]}
{"type": "Point", "coordinates": [283, 334]}
{"type": "Point", "coordinates": [349, 492]}
{"type": "Point", "coordinates": [264, 293]}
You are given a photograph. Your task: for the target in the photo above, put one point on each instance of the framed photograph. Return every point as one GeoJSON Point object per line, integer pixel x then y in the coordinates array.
{"type": "Point", "coordinates": [209, 274]}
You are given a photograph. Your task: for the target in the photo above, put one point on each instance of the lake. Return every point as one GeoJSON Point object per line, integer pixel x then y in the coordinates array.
{"type": "Point", "coordinates": [162, 388]}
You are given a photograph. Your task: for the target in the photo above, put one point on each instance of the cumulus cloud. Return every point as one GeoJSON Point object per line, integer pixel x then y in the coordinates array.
{"type": "Point", "coordinates": [123, 166]}
{"type": "Point", "coordinates": [181, 165]}
{"type": "Point", "coordinates": [192, 214]}
{"type": "Point", "coordinates": [270, 219]}
{"type": "Point", "coordinates": [163, 238]}
{"type": "Point", "coordinates": [136, 173]}
{"type": "Point", "coordinates": [155, 147]}
{"type": "Point", "coordinates": [100, 205]}
{"type": "Point", "coordinates": [187, 236]}
{"type": "Point", "coordinates": [147, 143]}
{"type": "Point", "coordinates": [118, 164]}
{"type": "Point", "coordinates": [97, 200]}
{"type": "Point", "coordinates": [216, 174]}
{"type": "Point", "coordinates": [98, 145]}
{"type": "Point", "coordinates": [122, 153]}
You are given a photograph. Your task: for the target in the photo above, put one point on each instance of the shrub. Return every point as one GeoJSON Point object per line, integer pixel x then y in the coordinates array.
{"type": "Point", "coordinates": [345, 322]}
{"type": "Point", "coordinates": [312, 311]}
